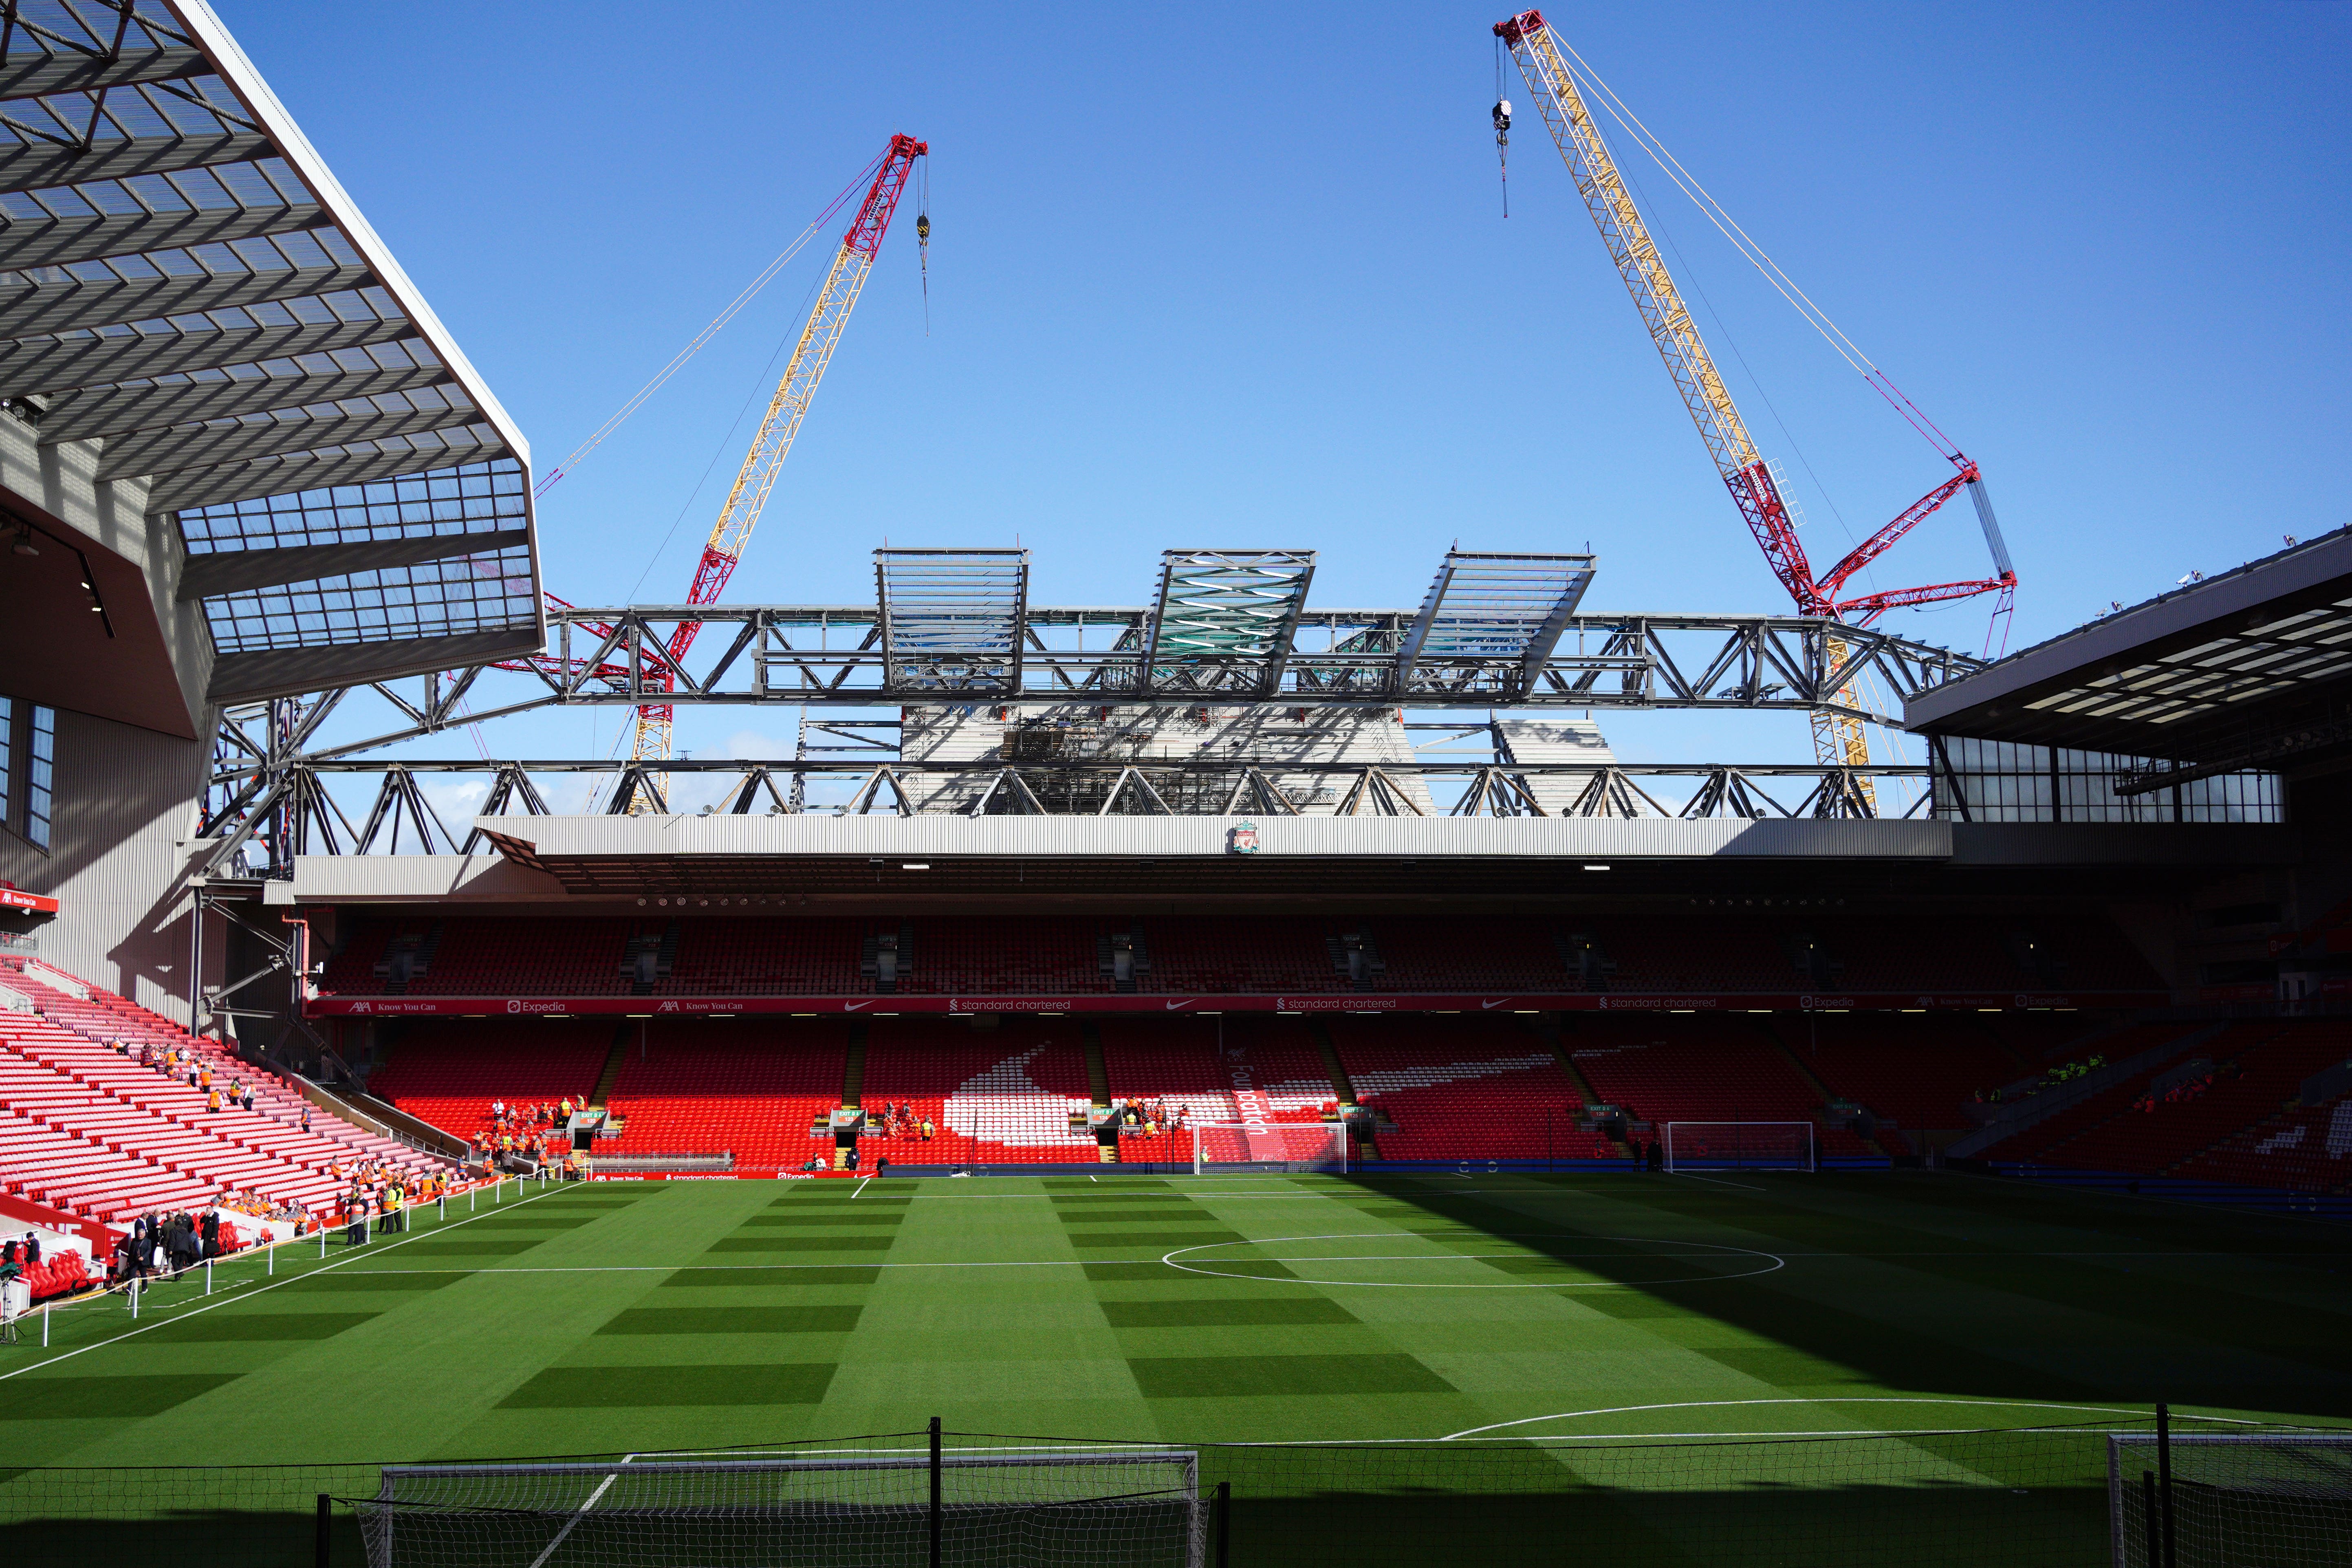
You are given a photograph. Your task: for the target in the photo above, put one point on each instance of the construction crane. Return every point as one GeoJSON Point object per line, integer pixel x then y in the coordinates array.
{"type": "Point", "coordinates": [1838, 735]}
{"type": "Point", "coordinates": [774, 444]}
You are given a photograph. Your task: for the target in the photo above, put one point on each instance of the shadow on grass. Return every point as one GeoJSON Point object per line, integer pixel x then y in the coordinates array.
{"type": "Point", "coordinates": [2004, 1313]}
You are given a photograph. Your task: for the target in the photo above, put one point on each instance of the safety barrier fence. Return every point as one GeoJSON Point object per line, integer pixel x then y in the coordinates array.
{"type": "Point", "coordinates": [2024, 1496]}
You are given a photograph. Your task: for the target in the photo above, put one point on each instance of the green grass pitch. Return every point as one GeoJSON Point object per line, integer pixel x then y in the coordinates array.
{"type": "Point", "coordinates": [1588, 1310]}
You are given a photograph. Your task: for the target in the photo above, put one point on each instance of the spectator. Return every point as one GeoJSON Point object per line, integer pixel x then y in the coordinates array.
{"type": "Point", "coordinates": [926, 1129]}
{"type": "Point", "coordinates": [32, 1246]}
{"type": "Point", "coordinates": [306, 1119]}
{"type": "Point", "coordinates": [212, 1102]}
{"type": "Point", "coordinates": [209, 1235]}
{"type": "Point", "coordinates": [1657, 1155]}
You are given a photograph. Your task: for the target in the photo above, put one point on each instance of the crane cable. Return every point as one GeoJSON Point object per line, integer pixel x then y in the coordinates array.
{"type": "Point", "coordinates": [1819, 319]}
{"type": "Point", "coordinates": [677, 362]}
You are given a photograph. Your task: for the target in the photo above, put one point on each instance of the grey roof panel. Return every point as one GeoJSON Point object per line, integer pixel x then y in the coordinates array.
{"type": "Point", "coordinates": [61, 242]}
{"type": "Point", "coordinates": [204, 446]}
{"type": "Point", "coordinates": [33, 165]}
{"type": "Point", "coordinates": [70, 307]}
{"type": "Point", "coordinates": [67, 364]}
{"type": "Point", "coordinates": [193, 487]}
{"type": "Point", "coordinates": [40, 74]}
{"type": "Point", "coordinates": [116, 409]}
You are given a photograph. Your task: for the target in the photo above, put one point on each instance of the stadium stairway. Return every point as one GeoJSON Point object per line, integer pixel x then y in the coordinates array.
{"type": "Point", "coordinates": [752, 1089]}
{"type": "Point", "coordinates": [1885, 1141]}
{"type": "Point", "coordinates": [600, 1096]}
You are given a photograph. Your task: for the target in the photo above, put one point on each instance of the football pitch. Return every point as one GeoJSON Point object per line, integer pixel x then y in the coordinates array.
{"type": "Point", "coordinates": [1675, 1369]}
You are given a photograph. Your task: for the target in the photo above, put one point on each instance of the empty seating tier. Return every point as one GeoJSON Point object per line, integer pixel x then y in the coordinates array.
{"type": "Point", "coordinates": [995, 1096]}
{"type": "Point", "coordinates": [752, 1089]}
{"type": "Point", "coordinates": [704, 952]}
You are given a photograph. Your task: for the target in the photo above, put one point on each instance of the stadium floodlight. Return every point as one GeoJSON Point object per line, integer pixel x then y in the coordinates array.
{"type": "Point", "coordinates": [1139, 1506]}
{"type": "Point", "coordinates": [2252, 1497]}
{"type": "Point", "coordinates": [1293, 1146]}
{"type": "Point", "coordinates": [1740, 1146]}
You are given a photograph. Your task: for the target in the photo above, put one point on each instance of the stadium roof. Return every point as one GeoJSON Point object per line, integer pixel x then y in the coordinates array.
{"type": "Point", "coordinates": [198, 316]}
{"type": "Point", "coordinates": [2251, 669]}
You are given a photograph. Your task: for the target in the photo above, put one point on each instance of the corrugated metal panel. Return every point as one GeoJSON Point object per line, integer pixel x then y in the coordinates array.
{"type": "Point", "coordinates": [1572, 741]}
{"type": "Point", "coordinates": [1564, 838]}
{"type": "Point", "coordinates": [324, 879]}
{"type": "Point", "coordinates": [1263, 737]}
{"type": "Point", "coordinates": [125, 798]}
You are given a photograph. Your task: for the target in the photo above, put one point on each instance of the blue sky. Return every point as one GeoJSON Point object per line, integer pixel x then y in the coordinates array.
{"type": "Point", "coordinates": [1237, 275]}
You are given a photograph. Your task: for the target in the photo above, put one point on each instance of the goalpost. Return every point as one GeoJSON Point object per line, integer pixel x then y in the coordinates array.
{"type": "Point", "coordinates": [1136, 1506]}
{"type": "Point", "coordinates": [1740, 1146]}
{"type": "Point", "coordinates": [1269, 1146]}
{"type": "Point", "coordinates": [2206, 1499]}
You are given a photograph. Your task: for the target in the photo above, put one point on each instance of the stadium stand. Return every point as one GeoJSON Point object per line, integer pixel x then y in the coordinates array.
{"type": "Point", "coordinates": [818, 955]}
{"type": "Point", "coordinates": [1000, 1096]}
{"type": "Point", "coordinates": [754, 1093]}
{"type": "Point", "coordinates": [1214, 1068]}
{"type": "Point", "coordinates": [2186, 1112]}
{"type": "Point", "coordinates": [1466, 1088]}
{"type": "Point", "coordinates": [1695, 1067]}
{"type": "Point", "coordinates": [450, 1073]}
{"type": "Point", "coordinates": [1915, 1071]}
{"type": "Point", "coordinates": [87, 1129]}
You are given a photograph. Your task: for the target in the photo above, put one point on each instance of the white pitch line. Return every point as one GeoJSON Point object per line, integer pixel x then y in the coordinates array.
{"type": "Point", "coordinates": [853, 1198]}
{"type": "Point", "coordinates": [1866, 1399]}
{"type": "Point", "coordinates": [289, 1279]}
{"type": "Point", "coordinates": [573, 1522]}
{"type": "Point", "coordinates": [1718, 1181]}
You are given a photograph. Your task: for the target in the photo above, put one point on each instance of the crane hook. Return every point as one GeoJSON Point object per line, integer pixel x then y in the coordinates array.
{"type": "Point", "coordinates": [1502, 116]}
{"type": "Point", "coordinates": [923, 249]}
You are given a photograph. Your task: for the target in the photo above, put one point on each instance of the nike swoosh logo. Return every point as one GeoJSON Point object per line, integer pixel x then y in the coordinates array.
{"type": "Point", "coordinates": [1171, 1006]}
{"type": "Point", "coordinates": [1489, 1006]}
{"type": "Point", "coordinates": [854, 1007]}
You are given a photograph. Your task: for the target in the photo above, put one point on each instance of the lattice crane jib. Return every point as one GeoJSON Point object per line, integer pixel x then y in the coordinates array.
{"type": "Point", "coordinates": [794, 392]}
{"type": "Point", "coordinates": [1745, 474]}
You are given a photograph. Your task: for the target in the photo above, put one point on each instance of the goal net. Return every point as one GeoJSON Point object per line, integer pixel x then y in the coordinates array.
{"type": "Point", "coordinates": [1136, 1506]}
{"type": "Point", "coordinates": [2278, 1500]}
{"type": "Point", "coordinates": [1269, 1146]}
{"type": "Point", "coordinates": [1740, 1146]}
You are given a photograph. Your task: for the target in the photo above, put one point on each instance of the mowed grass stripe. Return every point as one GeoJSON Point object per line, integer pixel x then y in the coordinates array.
{"type": "Point", "coordinates": [1238, 1312]}
{"type": "Point", "coordinates": [1158, 1240]}
{"type": "Point", "coordinates": [1137, 1216]}
{"type": "Point", "coordinates": [38, 1398]}
{"type": "Point", "coordinates": [478, 1245]}
{"type": "Point", "coordinates": [788, 1319]}
{"type": "Point", "coordinates": [734, 1243]}
{"type": "Point", "coordinates": [234, 1326]}
{"type": "Point", "coordinates": [753, 1277]}
{"type": "Point", "coordinates": [383, 1280]}
{"type": "Point", "coordinates": [1266, 1376]}
{"type": "Point", "coordinates": [638, 1387]}
{"type": "Point", "coordinates": [886, 1217]}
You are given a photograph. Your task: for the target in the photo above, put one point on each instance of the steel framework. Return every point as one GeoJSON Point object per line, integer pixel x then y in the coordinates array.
{"type": "Point", "coordinates": [296, 812]}
{"type": "Point", "coordinates": [732, 532]}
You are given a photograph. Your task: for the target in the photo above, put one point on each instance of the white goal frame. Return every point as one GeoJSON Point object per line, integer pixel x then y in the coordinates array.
{"type": "Point", "coordinates": [1014, 1504]}
{"type": "Point", "coordinates": [2236, 1497]}
{"type": "Point", "coordinates": [1270, 1146]}
{"type": "Point", "coordinates": [1741, 1156]}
